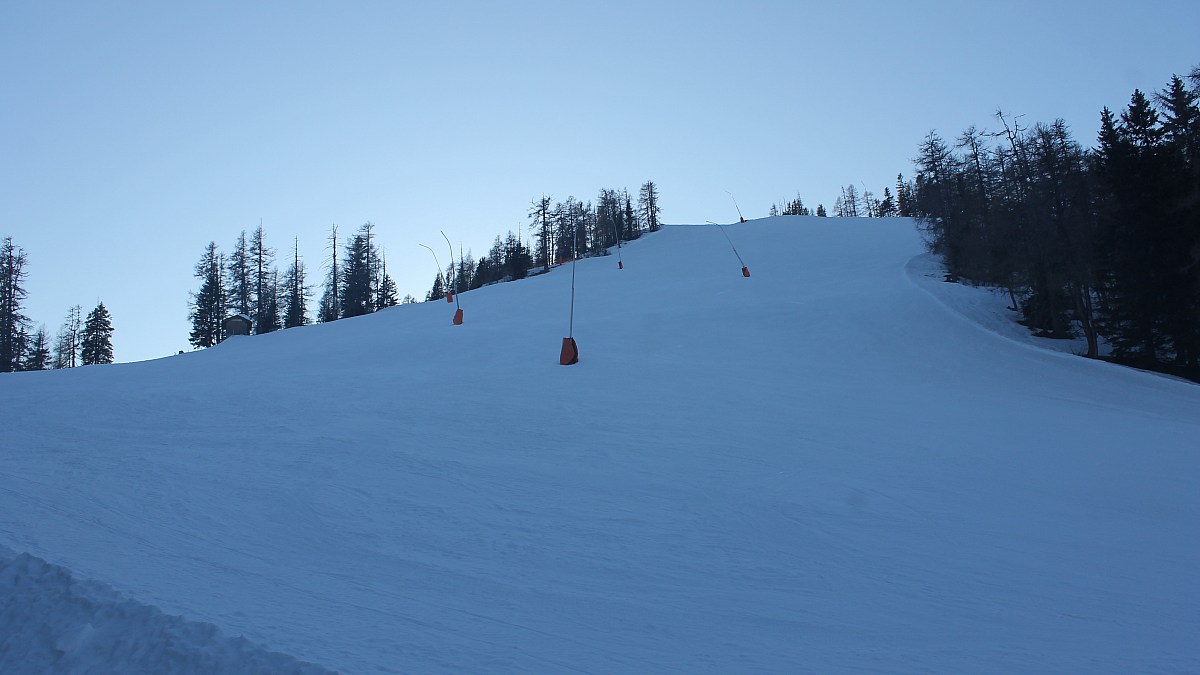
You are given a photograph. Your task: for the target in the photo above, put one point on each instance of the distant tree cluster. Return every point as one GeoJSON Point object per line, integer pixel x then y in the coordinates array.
{"type": "Point", "coordinates": [1103, 241]}
{"type": "Point", "coordinates": [854, 204]}
{"type": "Point", "coordinates": [793, 207]}
{"type": "Point", "coordinates": [79, 342]}
{"type": "Point", "coordinates": [507, 260]}
{"type": "Point", "coordinates": [562, 231]}
{"type": "Point", "coordinates": [247, 282]}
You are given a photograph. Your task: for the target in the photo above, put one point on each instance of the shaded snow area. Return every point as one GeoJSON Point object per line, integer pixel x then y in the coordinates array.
{"type": "Point", "coordinates": [51, 623]}
{"type": "Point", "coordinates": [990, 308]}
{"type": "Point", "coordinates": [839, 464]}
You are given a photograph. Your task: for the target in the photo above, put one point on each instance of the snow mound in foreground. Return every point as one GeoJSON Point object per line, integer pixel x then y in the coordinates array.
{"type": "Point", "coordinates": [51, 622]}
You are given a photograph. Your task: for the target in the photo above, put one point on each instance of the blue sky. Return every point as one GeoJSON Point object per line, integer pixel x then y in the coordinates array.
{"type": "Point", "coordinates": [135, 133]}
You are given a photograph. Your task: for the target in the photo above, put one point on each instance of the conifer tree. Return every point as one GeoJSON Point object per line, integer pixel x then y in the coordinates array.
{"type": "Point", "coordinates": [355, 296]}
{"type": "Point", "coordinates": [543, 224]}
{"type": "Point", "coordinates": [12, 295]}
{"type": "Point", "coordinates": [487, 269]}
{"type": "Point", "coordinates": [239, 286]}
{"type": "Point", "coordinates": [610, 217]}
{"type": "Point", "coordinates": [21, 344]}
{"type": "Point", "coordinates": [295, 292]}
{"type": "Point", "coordinates": [1135, 296]}
{"type": "Point", "coordinates": [903, 197]}
{"type": "Point", "coordinates": [37, 351]}
{"type": "Point", "coordinates": [887, 205]}
{"type": "Point", "coordinates": [329, 308]}
{"type": "Point", "coordinates": [67, 344]}
{"type": "Point", "coordinates": [648, 207]}
{"type": "Point", "coordinates": [374, 265]}
{"type": "Point", "coordinates": [464, 272]}
{"type": "Point", "coordinates": [272, 317]}
{"type": "Point", "coordinates": [632, 227]}
{"type": "Point", "coordinates": [97, 346]}
{"type": "Point", "coordinates": [563, 216]}
{"type": "Point", "coordinates": [262, 274]}
{"type": "Point", "coordinates": [438, 291]}
{"type": "Point", "coordinates": [517, 257]}
{"type": "Point", "coordinates": [385, 293]}
{"type": "Point", "coordinates": [209, 304]}
{"type": "Point", "coordinates": [849, 202]}
{"type": "Point", "coordinates": [1181, 122]}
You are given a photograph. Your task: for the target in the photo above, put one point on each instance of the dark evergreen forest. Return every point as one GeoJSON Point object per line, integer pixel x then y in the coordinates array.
{"type": "Point", "coordinates": [1102, 242]}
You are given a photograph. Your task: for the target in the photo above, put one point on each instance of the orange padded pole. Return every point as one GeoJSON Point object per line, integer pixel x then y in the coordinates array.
{"type": "Point", "coordinates": [570, 352]}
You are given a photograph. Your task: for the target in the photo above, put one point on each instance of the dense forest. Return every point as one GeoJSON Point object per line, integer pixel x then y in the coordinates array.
{"type": "Point", "coordinates": [1105, 242]}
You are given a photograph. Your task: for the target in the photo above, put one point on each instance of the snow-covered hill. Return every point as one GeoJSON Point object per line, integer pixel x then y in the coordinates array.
{"type": "Point", "coordinates": [832, 465]}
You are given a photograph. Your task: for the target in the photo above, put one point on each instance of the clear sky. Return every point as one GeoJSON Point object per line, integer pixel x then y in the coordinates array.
{"type": "Point", "coordinates": [136, 132]}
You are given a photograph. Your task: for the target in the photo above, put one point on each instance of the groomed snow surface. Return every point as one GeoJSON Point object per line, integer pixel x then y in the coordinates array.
{"type": "Point", "coordinates": [839, 464]}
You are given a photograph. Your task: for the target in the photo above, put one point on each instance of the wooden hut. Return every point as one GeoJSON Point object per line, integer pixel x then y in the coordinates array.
{"type": "Point", "coordinates": [238, 324]}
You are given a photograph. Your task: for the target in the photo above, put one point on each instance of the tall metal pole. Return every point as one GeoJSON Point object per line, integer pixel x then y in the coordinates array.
{"type": "Point", "coordinates": [574, 259]}
{"type": "Point", "coordinates": [620, 263]}
{"type": "Point", "coordinates": [439, 271]}
{"type": "Point", "coordinates": [458, 313]}
{"type": "Point", "coordinates": [735, 205]}
{"type": "Point", "coordinates": [570, 350]}
{"type": "Point", "coordinates": [745, 270]}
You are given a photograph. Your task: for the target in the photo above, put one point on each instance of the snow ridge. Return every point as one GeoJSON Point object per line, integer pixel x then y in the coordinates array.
{"type": "Point", "coordinates": [51, 622]}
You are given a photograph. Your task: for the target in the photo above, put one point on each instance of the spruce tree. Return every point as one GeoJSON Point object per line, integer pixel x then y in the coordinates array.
{"type": "Point", "coordinates": [887, 205]}
{"type": "Point", "coordinates": [239, 287]}
{"type": "Point", "coordinates": [37, 351]}
{"type": "Point", "coordinates": [517, 258]}
{"type": "Point", "coordinates": [1181, 147]}
{"type": "Point", "coordinates": [262, 276]}
{"type": "Point", "coordinates": [464, 272]}
{"type": "Point", "coordinates": [633, 229]}
{"type": "Point", "coordinates": [903, 197]}
{"type": "Point", "coordinates": [208, 305]}
{"type": "Point", "coordinates": [438, 291]}
{"type": "Point", "coordinates": [385, 294]}
{"type": "Point", "coordinates": [1135, 297]}
{"type": "Point", "coordinates": [97, 346]}
{"type": "Point", "coordinates": [355, 295]}
{"type": "Point", "coordinates": [21, 345]}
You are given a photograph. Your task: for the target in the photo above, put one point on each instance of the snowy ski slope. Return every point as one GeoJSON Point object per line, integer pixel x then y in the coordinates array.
{"type": "Point", "coordinates": [837, 464]}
